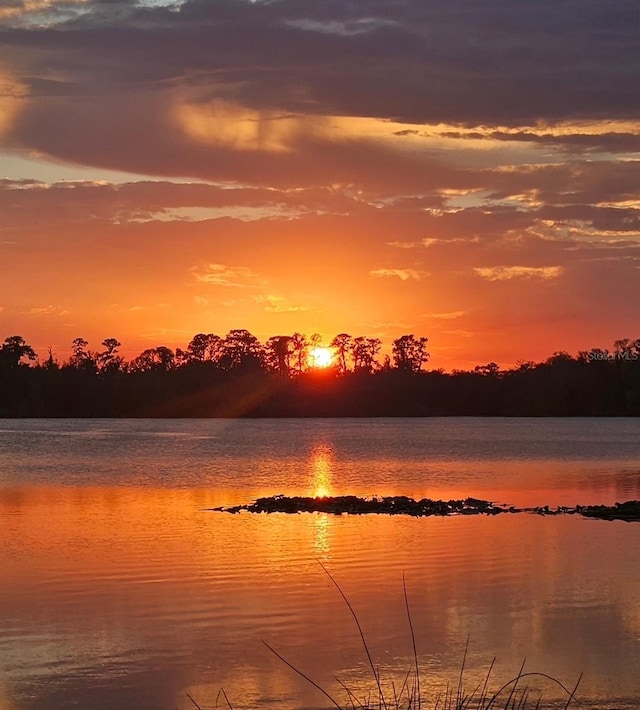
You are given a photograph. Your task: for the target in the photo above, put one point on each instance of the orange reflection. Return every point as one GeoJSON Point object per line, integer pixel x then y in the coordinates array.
{"type": "Point", "coordinates": [322, 469]}
{"type": "Point", "coordinates": [322, 523]}
{"type": "Point", "coordinates": [104, 571]}
{"type": "Point", "coordinates": [322, 464]}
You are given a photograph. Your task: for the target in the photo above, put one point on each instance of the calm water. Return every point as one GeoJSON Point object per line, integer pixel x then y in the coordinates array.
{"type": "Point", "coordinates": [118, 589]}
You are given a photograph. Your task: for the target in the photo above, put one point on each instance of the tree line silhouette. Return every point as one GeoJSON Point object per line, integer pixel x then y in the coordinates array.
{"type": "Point", "coordinates": [238, 376]}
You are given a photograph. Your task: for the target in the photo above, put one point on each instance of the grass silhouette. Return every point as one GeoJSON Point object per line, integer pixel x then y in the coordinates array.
{"type": "Point", "coordinates": [512, 695]}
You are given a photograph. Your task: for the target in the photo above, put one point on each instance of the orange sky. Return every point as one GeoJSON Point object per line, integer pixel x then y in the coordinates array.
{"type": "Point", "coordinates": [377, 169]}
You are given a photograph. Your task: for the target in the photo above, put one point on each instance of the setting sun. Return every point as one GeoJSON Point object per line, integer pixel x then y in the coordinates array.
{"type": "Point", "coordinates": [320, 357]}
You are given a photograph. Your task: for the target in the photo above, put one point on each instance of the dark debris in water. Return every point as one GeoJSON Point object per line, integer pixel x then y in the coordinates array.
{"type": "Point", "coordinates": [403, 505]}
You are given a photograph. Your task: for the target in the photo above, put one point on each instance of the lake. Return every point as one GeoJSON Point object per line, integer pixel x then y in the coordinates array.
{"type": "Point", "coordinates": [120, 589]}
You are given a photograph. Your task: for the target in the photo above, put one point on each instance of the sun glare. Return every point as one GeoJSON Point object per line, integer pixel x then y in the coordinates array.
{"type": "Point", "coordinates": [320, 357]}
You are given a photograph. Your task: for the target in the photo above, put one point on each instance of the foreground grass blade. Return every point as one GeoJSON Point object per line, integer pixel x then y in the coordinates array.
{"type": "Point", "coordinates": [303, 675]}
{"type": "Point", "coordinates": [413, 642]}
{"type": "Point", "coordinates": [361, 632]}
{"type": "Point", "coordinates": [224, 695]}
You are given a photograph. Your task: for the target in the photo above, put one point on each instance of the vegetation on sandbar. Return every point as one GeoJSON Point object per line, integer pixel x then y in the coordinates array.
{"type": "Point", "coordinates": [403, 505]}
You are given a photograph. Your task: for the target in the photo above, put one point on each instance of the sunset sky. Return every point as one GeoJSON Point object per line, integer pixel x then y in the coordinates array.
{"type": "Point", "coordinates": [463, 170]}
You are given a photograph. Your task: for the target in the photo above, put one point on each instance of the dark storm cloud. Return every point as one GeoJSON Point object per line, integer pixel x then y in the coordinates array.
{"type": "Point", "coordinates": [496, 63]}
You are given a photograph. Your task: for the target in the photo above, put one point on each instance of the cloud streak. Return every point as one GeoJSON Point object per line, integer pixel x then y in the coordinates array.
{"type": "Point", "coordinates": [506, 273]}
{"type": "Point", "coordinates": [402, 274]}
{"type": "Point", "coordinates": [450, 315]}
{"type": "Point", "coordinates": [222, 275]}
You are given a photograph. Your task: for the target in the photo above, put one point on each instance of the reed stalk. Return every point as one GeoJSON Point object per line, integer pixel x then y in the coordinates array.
{"type": "Point", "coordinates": [510, 696]}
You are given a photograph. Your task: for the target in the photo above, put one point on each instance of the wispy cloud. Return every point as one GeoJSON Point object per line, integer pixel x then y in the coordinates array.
{"type": "Point", "coordinates": [45, 311]}
{"type": "Point", "coordinates": [279, 304]}
{"type": "Point", "coordinates": [222, 275]}
{"type": "Point", "coordinates": [40, 12]}
{"type": "Point", "coordinates": [403, 245]}
{"type": "Point", "coordinates": [624, 257]}
{"type": "Point", "coordinates": [449, 315]}
{"type": "Point", "coordinates": [506, 273]}
{"type": "Point", "coordinates": [402, 274]}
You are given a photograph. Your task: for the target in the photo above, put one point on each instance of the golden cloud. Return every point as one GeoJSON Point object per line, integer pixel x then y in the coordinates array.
{"type": "Point", "coordinates": [279, 304]}
{"type": "Point", "coordinates": [222, 275]}
{"type": "Point", "coordinates": [506, 273]}
{"type": "Point", "coordinates": [230, 125]}
{"type": "Point", "coordinates": [12, 97]}
{"type": "Point", "coordinates": [402, 274]}
{"type": "Point", "coordinates": [404, 245]}
{"type": "Point", "coordinates": [445, 316]}
{"type": "Point", "coordinates": [40, 12]}
{"type": "Point", "coordinates": [45, 311]}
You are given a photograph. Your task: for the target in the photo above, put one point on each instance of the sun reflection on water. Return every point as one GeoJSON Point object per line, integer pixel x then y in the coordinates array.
{"type": "Point", "coordinates": [322, 524]}
{"type": "Point", "coordinates": [322, 464]}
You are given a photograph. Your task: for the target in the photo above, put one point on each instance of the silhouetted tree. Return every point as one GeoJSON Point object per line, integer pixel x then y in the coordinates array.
{"type": "Point", "coordinates": [278, 351]}
{"type": "Point", "coordinates": [491, 369]}
{"type": "Point", "coordinates": [300, 347]}
{"type": "Point", "coordinates": [626, 349]}
{"type": "Point", "coordinates": [13, 350]}
{"type": "Point", "coordinates": [204, 347]}
{"type": "Point", "coordinates": [598, 382]}
{"type": "Point", "coordinates": [108, 361]}
{"type": "Point", "coordinates": [50, 364]}
{"type": "Point", "coordinates": [241, 350]}
{"type": "Point", "coordinates": [410, 353]}
{"type": "Point", "coordinates": [166, 357]}
{"type": "Point", "coordinates": [363, 352]}
{"type": "Point", "coordinates": [160, 358]}
{"type": "Point", "coordinates": [341, 346]}
{"type": "Point", "coordinates": [82, 358]}
{"type": "Point", "coordinates": [560, 357]}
